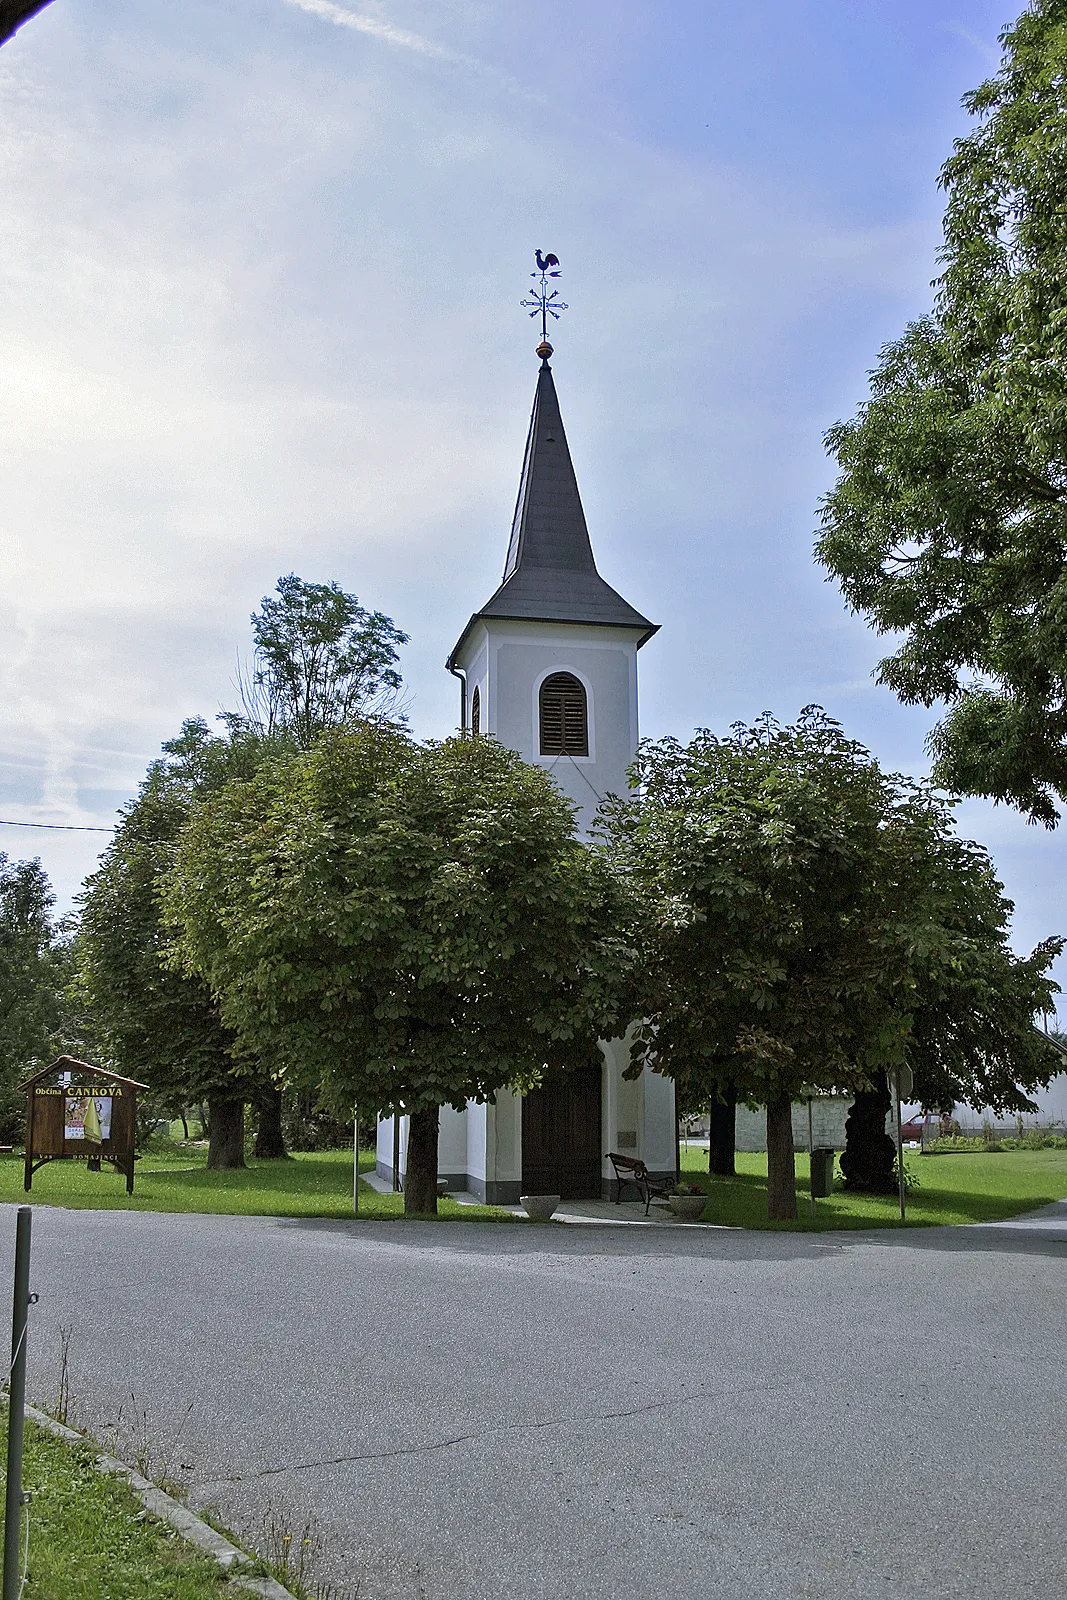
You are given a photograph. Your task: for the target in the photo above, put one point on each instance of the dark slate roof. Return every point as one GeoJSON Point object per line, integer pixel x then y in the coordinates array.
{"type": "Point", "coordinates": [550, 574]}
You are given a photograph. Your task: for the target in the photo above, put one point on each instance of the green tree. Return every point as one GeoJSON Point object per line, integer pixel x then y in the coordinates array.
{"type": "Point", "coordinates": [408, 926]}
{"type": "Point", "coordinates": [32, 980]}
{"type": "Point", "coordinates": [321, 661]}
{"type": "Point", "coordinates": [157, 1025]}
{"type": "Point", "coordinates": [797, 904]}
{"type": "Point", "coordinates": [972, 1005]}
{"type": "Point", "coordinates": [948, 524]}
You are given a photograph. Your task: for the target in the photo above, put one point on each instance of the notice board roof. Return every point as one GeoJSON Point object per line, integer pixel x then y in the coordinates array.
{"type": "Point", "coordinates": [69, 1064]}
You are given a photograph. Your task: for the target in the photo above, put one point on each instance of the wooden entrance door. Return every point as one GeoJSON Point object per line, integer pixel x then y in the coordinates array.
{"type": "Point", "coordinates": [561, 1136]}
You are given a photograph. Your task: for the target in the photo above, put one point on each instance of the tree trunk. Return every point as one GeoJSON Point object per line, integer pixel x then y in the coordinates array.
{"type": "Point", "coordinates": [869, 1159]}
{"type": "Point", "coordinates": [185, 1126]}
{"type": "Point", "coordinates": [226, 1141]}
{"type": "Point", "coordinates": [420, 1179]}
{"type": "Point", "coordinates": [781, 1172]}
{"type": "Point", "coordinates": [722, 1135]}
{"type": "Point", "coordinates": [270, 1141]}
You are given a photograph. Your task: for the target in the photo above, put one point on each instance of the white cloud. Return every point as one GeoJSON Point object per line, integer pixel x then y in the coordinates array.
{"type": "Point", "coordinates": [404, 39]}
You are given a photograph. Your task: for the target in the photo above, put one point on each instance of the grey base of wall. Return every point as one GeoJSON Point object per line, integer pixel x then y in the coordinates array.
{"type": "Point", "coordinates": [507, 1194]}
{"type": "Point", "coordinates": [168, 1510]}
{"type": "Point", "coordinates": [490, 1194]}
{"type": "Point", "coordinates": [455, 1180]}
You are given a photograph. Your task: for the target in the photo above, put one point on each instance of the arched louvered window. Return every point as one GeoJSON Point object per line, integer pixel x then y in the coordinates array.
{"type": "Point", "coordinates": [476, 710]}
{"type": "Point", "coordinates": [564, 716]}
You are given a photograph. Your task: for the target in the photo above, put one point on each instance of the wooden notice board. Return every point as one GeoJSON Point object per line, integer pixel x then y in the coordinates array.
{"type": "Point", "coordinates": [77, 1112]}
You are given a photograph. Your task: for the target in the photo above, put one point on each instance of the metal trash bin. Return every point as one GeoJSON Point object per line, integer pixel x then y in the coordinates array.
{"type": "Point", "coordinates": [822, 1173]}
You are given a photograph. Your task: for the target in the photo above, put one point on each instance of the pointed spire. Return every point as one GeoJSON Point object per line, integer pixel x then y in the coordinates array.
{"type": "Point", "coordinates": [550, 574]}
{"type": "Point", "coordinates": [548, 529]}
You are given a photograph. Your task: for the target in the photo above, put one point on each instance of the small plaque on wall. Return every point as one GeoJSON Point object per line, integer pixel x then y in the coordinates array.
{"type": "Point", "coordinates": [627, 1141]}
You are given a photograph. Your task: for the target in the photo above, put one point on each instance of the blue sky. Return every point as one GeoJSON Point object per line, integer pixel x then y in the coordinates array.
{"type": "Point", "coordinates": [261, 277]}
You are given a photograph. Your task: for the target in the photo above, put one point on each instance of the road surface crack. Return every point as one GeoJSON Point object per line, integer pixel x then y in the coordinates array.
{"type": "Point", "coordinates": [454, 1440]}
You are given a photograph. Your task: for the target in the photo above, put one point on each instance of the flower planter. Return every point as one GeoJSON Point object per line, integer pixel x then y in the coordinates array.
{"type": "Point", "coordinates": [687, 1206]}
{"type": "Point", "coordinates": [539, 1207]}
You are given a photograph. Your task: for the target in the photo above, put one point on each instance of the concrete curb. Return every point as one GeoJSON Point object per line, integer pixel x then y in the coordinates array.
{"type": "Point", "coordinates": [166, 1509]}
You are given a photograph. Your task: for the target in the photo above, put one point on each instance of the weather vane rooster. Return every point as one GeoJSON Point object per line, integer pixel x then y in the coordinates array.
{"type": "Point", "coordinates": [543, 300]}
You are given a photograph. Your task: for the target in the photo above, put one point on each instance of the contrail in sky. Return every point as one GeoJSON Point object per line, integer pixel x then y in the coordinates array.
{"type": "Point", "coordinates": [388, 34]}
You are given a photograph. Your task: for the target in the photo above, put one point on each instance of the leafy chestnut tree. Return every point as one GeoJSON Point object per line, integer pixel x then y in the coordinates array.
{"type": "Point", "coordinates": [321, 659]}
{"type": "Point", "coordinates": [407, 926]}
{"type": "Point", "coordinates": [800, 912]}
{"type": "Point", "coordinates": [154, 1024]}
{"type": "Point", "coordinates": [33, 977]}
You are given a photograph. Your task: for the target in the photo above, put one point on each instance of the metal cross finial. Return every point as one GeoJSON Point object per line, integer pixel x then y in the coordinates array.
{"type": "Point", "coordinates": [543, 300]}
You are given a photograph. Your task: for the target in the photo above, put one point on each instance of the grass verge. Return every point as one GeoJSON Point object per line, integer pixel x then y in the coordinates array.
{"type": "Point", "coordinates": [90, 1538]}
{"type": "Point", "coordinates": [947, 1189]}
{"type": "Point", "coordinates": [175, 1178]}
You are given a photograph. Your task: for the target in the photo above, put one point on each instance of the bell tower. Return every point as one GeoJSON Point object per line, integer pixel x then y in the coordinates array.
{"type": "Point", "coordinates": [549, 667]}
{"type": "Point", "coordinates": [549, 663]}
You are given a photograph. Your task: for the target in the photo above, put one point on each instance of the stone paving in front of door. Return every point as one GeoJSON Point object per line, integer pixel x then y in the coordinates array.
{"type": "Point", "coordinates": [626, 1212]}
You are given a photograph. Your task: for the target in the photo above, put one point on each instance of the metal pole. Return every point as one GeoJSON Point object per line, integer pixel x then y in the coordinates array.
{"type": "Point", "coordinates": [811, 1161]}
{"type": "Point", "coordinates": [900, 1139]}
{"type": "Point", "coordinates": [355, 1161]}
{"type": "Point", "coordinates": [16, 1404]}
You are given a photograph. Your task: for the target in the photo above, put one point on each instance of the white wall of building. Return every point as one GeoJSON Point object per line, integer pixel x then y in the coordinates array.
{"type": "Point", "coordinates": [1051, 1111]}
{"type": "Point", "coordinates": [508, 661]}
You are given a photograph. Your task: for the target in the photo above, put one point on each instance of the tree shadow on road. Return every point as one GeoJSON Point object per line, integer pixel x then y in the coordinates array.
{"type": "Point", "coordinates": [682, 1241]}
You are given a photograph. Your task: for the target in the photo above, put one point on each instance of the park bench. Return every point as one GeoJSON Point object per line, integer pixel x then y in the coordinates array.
{"type": "Point", "coordinates": [633, 1173]}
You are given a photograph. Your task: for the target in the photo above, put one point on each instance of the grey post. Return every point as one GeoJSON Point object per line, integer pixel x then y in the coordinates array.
{"type": "Point", "coordinates": [16, 1405]}
{"type": "Point", "coordinates": [811, 1161]}
{"type": "Point", "coordinates": [355, 1161]}
{"type": "Point", "coordinates": [900, 1138]}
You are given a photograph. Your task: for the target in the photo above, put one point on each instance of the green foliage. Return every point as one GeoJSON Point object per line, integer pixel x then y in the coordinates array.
{"type": "Point", "coordinates": [33, 977]}
{"type": "Point", "coordinates": [808, 920]}
{"type": "Point", "coordinates": [1033, 1139]}
{"type": "Point", "coordinates": [948, 524]}
{"type": "Point", "coordinates": [308, 1125]}
{"type": "Point", "coordinates": [321, 661]}
{"type": "Point", "coordinates": [404, 925]}
{"type": "Point", "coordinates": [151, 1022]}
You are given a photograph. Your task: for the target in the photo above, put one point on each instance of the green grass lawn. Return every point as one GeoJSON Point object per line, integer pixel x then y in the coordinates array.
{"type": "Point", "coordinates": [90, 1539]}
{"type": "Point", "coordinates": [949, 1189]}
{"type": "Point", "coordinates": [175, 1179]}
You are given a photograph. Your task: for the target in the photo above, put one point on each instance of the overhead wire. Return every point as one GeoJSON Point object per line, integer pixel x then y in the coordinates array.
{"type": "Point", "coordinates": [57, 827]}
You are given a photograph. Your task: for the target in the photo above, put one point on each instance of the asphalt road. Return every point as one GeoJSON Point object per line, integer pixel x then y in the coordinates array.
{"type": "Point", "coordinates": [463, 1411]}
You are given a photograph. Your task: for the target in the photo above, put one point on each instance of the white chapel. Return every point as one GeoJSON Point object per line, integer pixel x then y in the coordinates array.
{"type": "Point", "coordinates": [548, 666]}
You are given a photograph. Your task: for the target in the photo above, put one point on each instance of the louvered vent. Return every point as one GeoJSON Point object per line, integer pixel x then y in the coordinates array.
{"type": "Point", "coordinates": [564, 719]}
{"type": "Point", "coordinates": [476, 711]}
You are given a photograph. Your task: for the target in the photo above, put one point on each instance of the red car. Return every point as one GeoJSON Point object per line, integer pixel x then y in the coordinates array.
{"type": "Point", "coordinates": [911, 1132]}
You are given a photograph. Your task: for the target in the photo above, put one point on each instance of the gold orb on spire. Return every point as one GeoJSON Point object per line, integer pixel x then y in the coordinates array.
{"type": "Point", "coordinates": [544, 349]}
